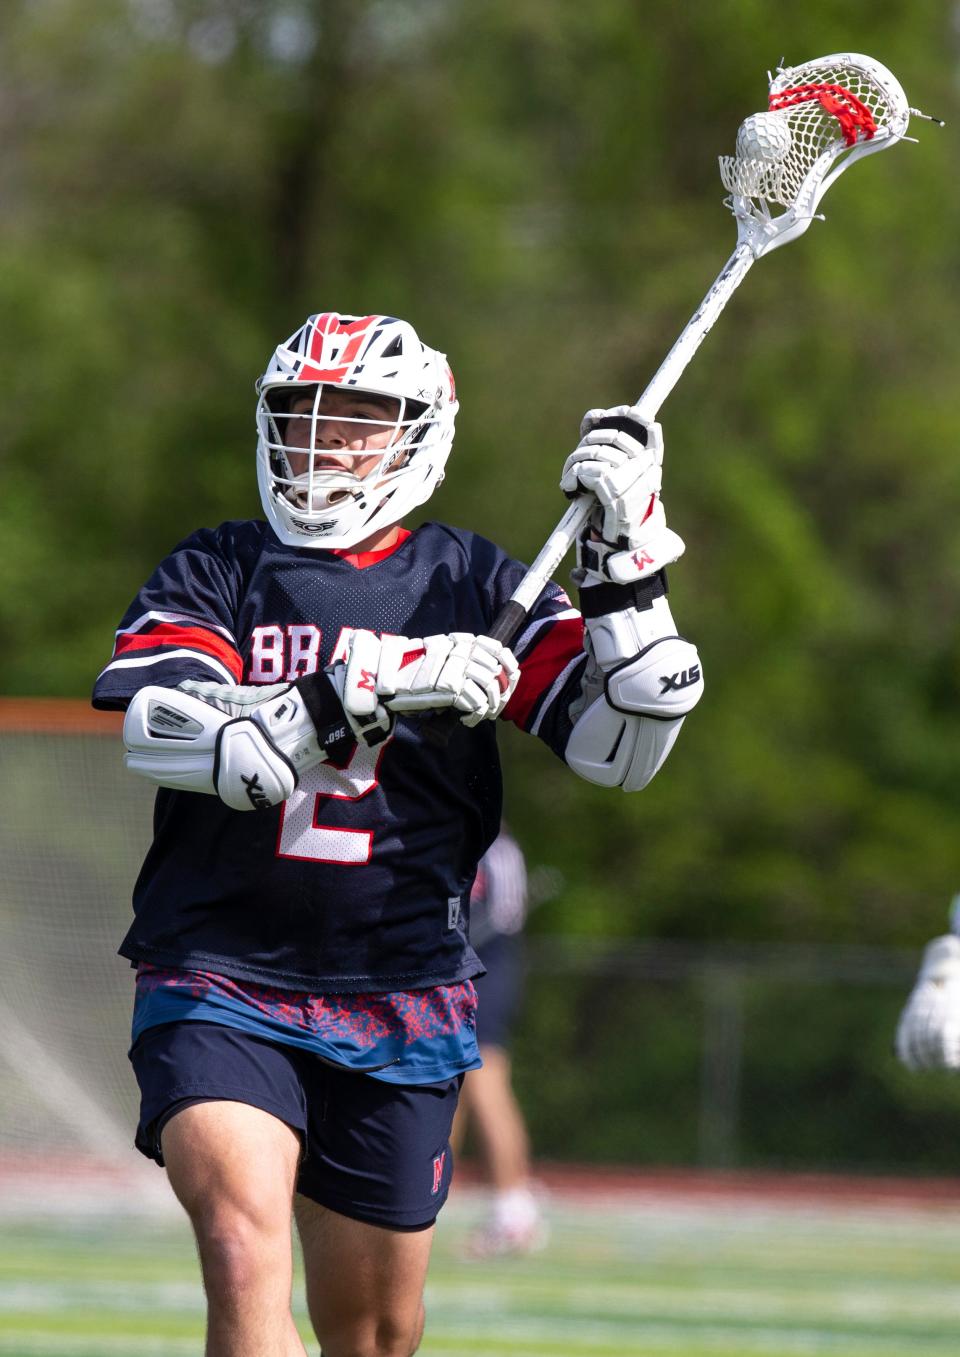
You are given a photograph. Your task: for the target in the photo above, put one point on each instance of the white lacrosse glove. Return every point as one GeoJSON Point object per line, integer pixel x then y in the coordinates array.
{"type": "Point", "coordinates": [928, 1033]}
{"type": "Point", "coordinates": [474, 675]}
{"type": "Point", "coordinates": [619, 460]}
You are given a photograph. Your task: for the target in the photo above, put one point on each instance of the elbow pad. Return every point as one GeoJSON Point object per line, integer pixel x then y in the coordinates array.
{"type": "Point", "coordinates": [176, 740]}
{"type": "Point", "coordinates": [617, 750]}
{"type": "Point", "coordinates": [664, 680]}
{"type": "Point", "coordinates": [170, 739]}
{"type": "Point", "coordinates": [246, 745]}
{"type": "Point", "coordinates": [644, 680]}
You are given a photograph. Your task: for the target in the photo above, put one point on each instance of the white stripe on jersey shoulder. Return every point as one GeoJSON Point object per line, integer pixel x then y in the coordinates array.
{"type": "Point", "coordinates": [554, 690]}
{"type": "Point", "coordinates": [146, 618]}
{"type": "Point", "coordinates": [526, 636]}
{"type": "Point", "coordinates": [136, 661]}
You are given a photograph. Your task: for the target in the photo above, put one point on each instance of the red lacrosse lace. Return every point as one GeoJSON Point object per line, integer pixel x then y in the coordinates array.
{"type": "Point", "coordinates": [850, 112]}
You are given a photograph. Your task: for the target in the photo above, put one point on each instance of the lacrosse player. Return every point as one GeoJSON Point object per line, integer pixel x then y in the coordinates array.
{"type": "Point", "coordinates": [304, 1010]}
{"type": "Point", "coordinates": [498, 911]}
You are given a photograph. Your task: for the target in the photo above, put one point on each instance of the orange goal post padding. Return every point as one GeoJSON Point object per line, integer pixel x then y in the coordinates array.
{"type": "Point", "coordinates": [57, 716]}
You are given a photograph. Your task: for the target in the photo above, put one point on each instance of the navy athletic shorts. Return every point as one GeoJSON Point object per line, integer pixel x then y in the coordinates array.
{"type": "Point", "coordinates": [374, 1151]}
{"type": "Point", "coordinates": [500, 990]}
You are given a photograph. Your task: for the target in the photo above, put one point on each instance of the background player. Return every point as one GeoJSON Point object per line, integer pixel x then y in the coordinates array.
{"type": "Point", "coordinates": [304, 1009]}
{"type": "Point", "coordinates": [498, 909]}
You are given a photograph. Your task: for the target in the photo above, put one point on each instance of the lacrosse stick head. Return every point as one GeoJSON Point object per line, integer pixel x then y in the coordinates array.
{"type": "Point", "coordinates": [821, 117]}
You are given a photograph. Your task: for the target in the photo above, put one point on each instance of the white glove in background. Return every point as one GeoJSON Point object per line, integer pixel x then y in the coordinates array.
{"type": "Point", "coordinates": [928, 1032]}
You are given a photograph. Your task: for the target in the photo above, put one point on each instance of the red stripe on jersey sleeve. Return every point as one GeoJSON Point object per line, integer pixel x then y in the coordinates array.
{"type": "Point", "coordinates": [185, 638]}
{"type": "Point", "coordinates": [560, 644]}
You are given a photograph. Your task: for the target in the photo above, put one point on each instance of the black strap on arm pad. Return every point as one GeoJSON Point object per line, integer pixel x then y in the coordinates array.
{"type": "Point", "coordinates": [598, 600]}
{"type": "Point", "coordinates": [322, 701]}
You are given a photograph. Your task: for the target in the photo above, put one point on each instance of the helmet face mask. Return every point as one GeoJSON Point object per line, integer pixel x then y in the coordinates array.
{"type": "Point", "coordinates": [321, 456]}
{"type": "Point", "coordinates": [355, 420]}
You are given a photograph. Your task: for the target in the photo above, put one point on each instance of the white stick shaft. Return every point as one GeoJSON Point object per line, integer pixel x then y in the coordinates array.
{"type": "Point", "coordinates": [695, 331]}
{"type": "Point", "coordinates": [552, 552]}
{"type": "Point", "coordinates": [664, 380]}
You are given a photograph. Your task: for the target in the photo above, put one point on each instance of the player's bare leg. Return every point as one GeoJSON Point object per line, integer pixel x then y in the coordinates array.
{"type": "Point", "coordinates": [515, 1224]}
{"type": "Point", "coordinates": [364, 1283]}
{"type": "Point", "coordinates": [498, 1124]}
{"type": "Point", "coordinates": [233, 1168]}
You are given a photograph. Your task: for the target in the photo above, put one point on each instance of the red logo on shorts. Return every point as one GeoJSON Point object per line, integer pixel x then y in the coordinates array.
{"type": "Point", "coordinates": [438, 1163]}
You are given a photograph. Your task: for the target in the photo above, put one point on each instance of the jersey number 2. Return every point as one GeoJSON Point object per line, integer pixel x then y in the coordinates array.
{"type": "Point", "coordinates": [301, 833]}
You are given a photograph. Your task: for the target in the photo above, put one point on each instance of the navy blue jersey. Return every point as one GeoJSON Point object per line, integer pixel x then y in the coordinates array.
{"type": "Point", "coordinates": [360, 881]}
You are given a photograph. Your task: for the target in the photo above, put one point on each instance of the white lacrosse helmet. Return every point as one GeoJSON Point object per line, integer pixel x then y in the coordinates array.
{"type": "Point", "coordinates": [319, 500]}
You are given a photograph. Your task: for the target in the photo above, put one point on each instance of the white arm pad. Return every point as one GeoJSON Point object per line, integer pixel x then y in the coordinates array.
{"type": "Point", "coordinates": [170, 739]}
{"type": "Point", "coordinates": [178, 741]}
{"type": "Point", "coordinates": [663, 681]}
{"type": "Point", "coordinates": [615, 750]}
{"type": "Point", "coordinates": [249, 771]}
{"type": "Point", "coordinates": [650, 679]}
{"type": "Point", "coordinates": [306, 720]}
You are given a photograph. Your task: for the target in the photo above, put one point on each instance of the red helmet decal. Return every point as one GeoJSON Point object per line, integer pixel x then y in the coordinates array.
{"type": "Point", "coordinates": [327, 325]}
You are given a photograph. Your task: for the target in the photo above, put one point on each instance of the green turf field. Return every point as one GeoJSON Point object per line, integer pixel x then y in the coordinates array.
{"type": "Point", "coordinates": [630, 1276]}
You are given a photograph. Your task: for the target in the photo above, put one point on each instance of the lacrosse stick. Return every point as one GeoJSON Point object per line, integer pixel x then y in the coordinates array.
{"type": "Point", "coordinates": [822, 116]}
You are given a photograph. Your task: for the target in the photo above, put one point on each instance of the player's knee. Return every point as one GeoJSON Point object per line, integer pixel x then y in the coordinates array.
{"type": "Point", "coordinates": [229, 1259]}
{"type": "Point", "coordinates": [385, 1334]}
{"type": "Point", "coordinates": [236, 1249]}
{"type": "Point", "coordinates": [395, 1340]}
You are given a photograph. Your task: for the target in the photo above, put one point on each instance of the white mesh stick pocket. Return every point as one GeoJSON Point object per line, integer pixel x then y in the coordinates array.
{"type": "Point", "coordinates": [827, 109]}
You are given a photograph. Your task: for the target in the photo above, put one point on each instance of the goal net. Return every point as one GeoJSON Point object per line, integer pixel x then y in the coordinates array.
{"type": "Point", "coordinates": [74, 827]}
